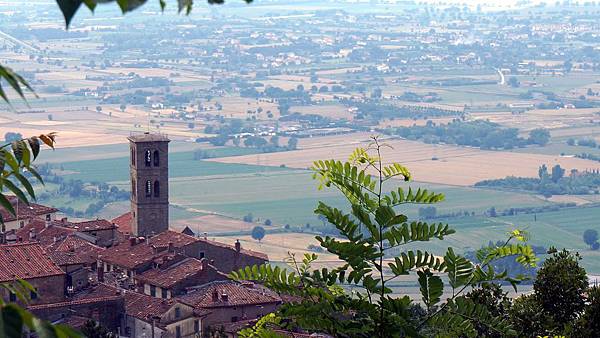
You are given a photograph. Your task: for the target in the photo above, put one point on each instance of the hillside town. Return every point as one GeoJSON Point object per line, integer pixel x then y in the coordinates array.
{"type": "Point", "coordinates": [131, 275]}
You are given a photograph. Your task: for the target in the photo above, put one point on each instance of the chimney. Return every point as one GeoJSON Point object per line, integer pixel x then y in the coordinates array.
{"type": "Point", "coordinates": [63, 220]}
{"type": "Point", "coordinates": [132, 241]}
{"type": "Point", "coordinates": [31, 234]}
{"type": "Point", "coordinates": [171, 247]}
{"type": "Point", "coordinates": [205, 235]}
{"type": "Point", "coordinates": [141, 240]}
{"type": "Point", "coordinates": [204, 263]}
{"type": "Point", "coordinates": [100, 271]}
{"type": "Point", "coordinates": [154, 249]}
{"type": "Point", "coordinates": [215, 295]}
{"type": "Point", "coordinates": [238, 245]}
{"type": "Point", "coordinates": [48, 224]}
{"type": "Point", "coordinates": [225, 297]}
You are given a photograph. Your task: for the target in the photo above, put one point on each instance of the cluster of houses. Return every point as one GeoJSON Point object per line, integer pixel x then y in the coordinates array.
{"type": "Point", "coordinates": [132, 275]}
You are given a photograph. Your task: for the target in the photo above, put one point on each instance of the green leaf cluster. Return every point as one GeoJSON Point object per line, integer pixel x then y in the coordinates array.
{"type": "Point", "coordinates": [355, 299]}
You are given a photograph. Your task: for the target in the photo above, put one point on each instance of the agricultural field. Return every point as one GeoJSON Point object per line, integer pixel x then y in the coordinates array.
{"type": "Point", "coordinates": [440, 164]}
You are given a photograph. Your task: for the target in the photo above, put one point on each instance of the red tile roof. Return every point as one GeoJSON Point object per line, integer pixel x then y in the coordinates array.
{"type": "Point", "coordinates": [145, 307]}
{"type": "Point", "coordinates": [127, 256]}
{"type": "Point", "coordinates": [25, 211]}
{"type": "Point", "coordinates": [45, 232]}
{"type": "Point", "coordinates": [93, 225]}
{"type": "Point", "coordinates": [237, 295]}
{"type": "Point", "coordinates": [25, 261]}
{"type": "Point", "coordinates": [74, 250]}
{"type": "Point", "coordinates": [173, 275]}
{"type": "Point", "coordinates": [242, 250]}
{"type": "Point", "coordinates": [123, 222]}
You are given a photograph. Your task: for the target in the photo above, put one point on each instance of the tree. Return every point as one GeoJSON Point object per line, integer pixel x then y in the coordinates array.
{"type": "Point", "coordinates": [268, 222]}
{"type": "Point", "coordinates": [292, 143]}
{"type": "Point", "coordinates": [589, 325]}
{"type": "Point", "coordinates": [495, 301]}
{"type": "Point", "coordinates": [258, 233]}
{"type": "Point", "coordinates": [249, 218]}
{"type": "Point", "coordinates": [11, 137]}
{"type": "Point", "coordinates": [98, 108]}
{"type": "Point", "coordinates": [559, 288]}
{"type": "Point", "coordinates": [590, 236]}
{"type": "Point", "coordinates": [543, 172]}
{"type": "Point", "coordinates": [513, 82]}
{"type": "Point", "coordinates": [539, 136]}
{"type": "Point", "coordinates": [557, 173]}
{"type": "Point", "coordinates": [367, 235]}
{"type": "Point", "coordinates": [91, 329]}
{"type": "Point", "coordinates": [122, 107]}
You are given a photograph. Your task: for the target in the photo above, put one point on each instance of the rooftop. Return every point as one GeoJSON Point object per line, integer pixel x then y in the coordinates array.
{"type": "Point", "coordinates": [123, 222]}
{"type": "Point", "coordinates": [148, 137]}
{"type": "Point", "coordinates": [25, 261]}
{"type": "Point", "coordinates": [24, 211]}
{"type": "Point", "coordinates": [229, 293]}
{"type": "Point", "coordinates": [172, 275]}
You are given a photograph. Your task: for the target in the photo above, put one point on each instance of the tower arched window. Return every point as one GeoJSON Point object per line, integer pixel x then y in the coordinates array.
{"type": "Point", "coordinates": [156, 188]}
{"type": "Point", "coordinates": [156, 159]}
{"type": "Point", "coordinates": [132, 157]}
{"type": "Point", "coordinates": [148, 188]}
{"type": "Point", "coordinates": [148, 158]}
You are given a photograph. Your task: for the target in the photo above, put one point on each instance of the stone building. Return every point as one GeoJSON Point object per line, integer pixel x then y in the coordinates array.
{"type": "Point", "coordinates": [149, 169]}
{"type": "Point", "coordinates": [30, 262]}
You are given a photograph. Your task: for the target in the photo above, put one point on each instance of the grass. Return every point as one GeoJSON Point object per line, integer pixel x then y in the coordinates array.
{"type": "Point", "coordinates": [180, 164]}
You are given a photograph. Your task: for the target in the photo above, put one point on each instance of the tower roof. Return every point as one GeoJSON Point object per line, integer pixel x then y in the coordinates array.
{"type": "Point", "coordinates": [148, 137]}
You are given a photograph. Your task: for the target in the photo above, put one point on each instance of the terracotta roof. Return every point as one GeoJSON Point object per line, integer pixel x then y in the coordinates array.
{"type": "Point", "coordinates": [93, 225]}
{"type": "Point", "coordinates": [25, 261]}
{"type": "Point", "coordinates": [173, 275]}
{"type": "Point", "coordinates": [236, 295]}
{"type": "Point", "coordinates": [145, 307]}
{"type": "Point", "coordinates": [24, 211]}
{"type": "Point", "coordinates": [232, 247]}
{"type": "Point", "coordinates": [74, 250]}
{"type": "Point", "coordinates": [123, 222]}
{"type": "Point", "coordinates": [45, 233]}
{"type": "Point", "coordinates": [130, 257]}
{"type": "Point", "coordinates": [74, 302]}
{"type": "Point", "coordinates": [178, 239]}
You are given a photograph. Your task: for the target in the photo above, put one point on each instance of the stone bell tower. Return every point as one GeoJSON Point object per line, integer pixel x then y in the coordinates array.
{"type": "Point", "coordinates": [149, 171]}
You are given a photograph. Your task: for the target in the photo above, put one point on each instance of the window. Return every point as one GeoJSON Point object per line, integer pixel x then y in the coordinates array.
{"type": "Point", "coordinates": [156, 188]}
{"type": "Point", "coordinates": [152, 290]}
{"type": "Point", "coordinates": [177, 331]}
{"type": "Point", "coordinates": [33, 294]}
{"type": "Point", "coordinates": [234, 319]}
{"type": "Point", "coordinates": [12, 297]}
{"type": "Point", "coordinates": [148, 158]}
{"type": "Point", "coordinates": [21, 224]}
{"type": "Point", "coordinates": [164, 293]}
{"type": "Point", "coordinates": [156, 159]}
{"type": "Point", "coordinates": [148, 188]}
{"type": "Point", "coordinates": [133, 188]}
{"type": "Point", "coordinates": [196, 326]}
{"type": "Point", "coordinates": [132, 157]}
{"type": "Point", "coordinates": [48, 218]}
{"type": "Point", "coordinates": [177, 312]}
{"type": "Point", "coordinates": [201, 254]}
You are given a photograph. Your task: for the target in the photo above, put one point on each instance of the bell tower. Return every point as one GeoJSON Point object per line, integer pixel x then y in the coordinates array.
{"type": "Point", "coordinates": [149, 171]}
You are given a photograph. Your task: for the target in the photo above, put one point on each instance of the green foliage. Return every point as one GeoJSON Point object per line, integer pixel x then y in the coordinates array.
{"type": "Point", "coordinates": [561, 304]}
{"type": "Point", "coordinates": [91, 329]}
{"type": "Point", "coordinates": [367, 233]}
{"type": "Point", "coordinates": [590, 237]}
{"type": "Point", "coordinates": [559, 287]}
{"type": "Point", "coordinates": [258, 233]}
{"type": "Point", "coordinates": [15, 81]}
